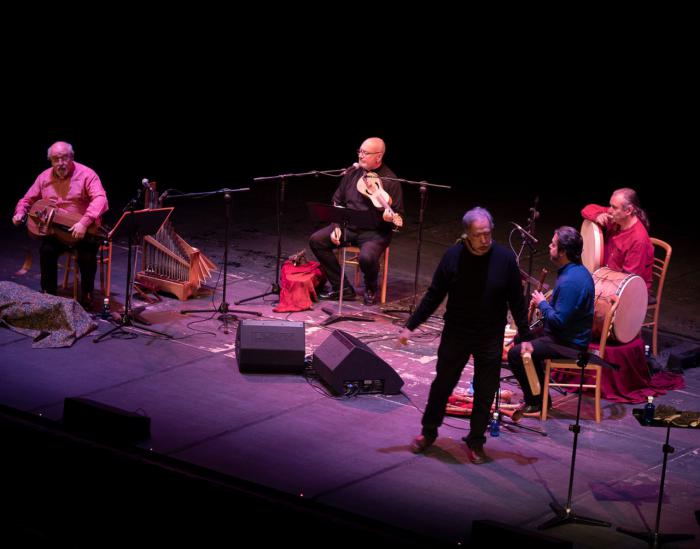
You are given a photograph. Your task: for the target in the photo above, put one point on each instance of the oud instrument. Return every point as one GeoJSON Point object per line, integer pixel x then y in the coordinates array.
{"type": "Point", "coordinates": [46, 219]}
{"type": "Point", "coordinates": [370, 185]}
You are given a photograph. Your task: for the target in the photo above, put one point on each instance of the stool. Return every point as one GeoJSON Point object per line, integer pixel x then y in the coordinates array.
{"type": "Point", "coordinates": [558, 364]}
{"type": "Point", "coordinates": [352, 257]}
{"type": "Point", "coordinates": [104, 259]}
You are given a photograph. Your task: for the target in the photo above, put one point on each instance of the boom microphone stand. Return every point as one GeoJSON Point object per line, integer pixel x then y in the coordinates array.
{"type": "Point", "coordinates": [281, 181]}
{"type": "Point", "coordinates": [423, 187]}
{"type": "Point", "coordinates": [565, 515]}
{"type": "Point", "coordinates": [225, 313]}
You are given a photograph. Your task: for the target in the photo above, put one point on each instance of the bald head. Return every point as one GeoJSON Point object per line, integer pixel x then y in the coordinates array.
{"type": "Point", "coordinates": [61, 158]}
{"type": "Point", "coordinates": [60, 148]}
{"type": "Point", "coordinates": [371, 153]}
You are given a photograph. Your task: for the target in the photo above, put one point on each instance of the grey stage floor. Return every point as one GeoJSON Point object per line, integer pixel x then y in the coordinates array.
{"type": "Point", "coordinates": [289, 433]}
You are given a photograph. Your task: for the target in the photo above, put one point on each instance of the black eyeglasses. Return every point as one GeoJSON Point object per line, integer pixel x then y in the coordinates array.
{"type": "Point", "coordinates": [363, 152]}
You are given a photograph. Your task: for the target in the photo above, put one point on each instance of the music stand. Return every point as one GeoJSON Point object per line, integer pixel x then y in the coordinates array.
{"type": "Point", "coordinates": [655, 538]}
{"type": "Point", "coordinates": [325, 213]}
{"type": "Point", "coordinates": [565, 515]}
{"type": "Point", "coordinates": [133, 224]}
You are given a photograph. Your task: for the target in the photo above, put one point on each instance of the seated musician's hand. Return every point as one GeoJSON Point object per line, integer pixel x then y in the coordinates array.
{"type": "Point", "coordinates": [603, 219]}
{"type": "Point", "coordinates": [538, 297]}
{"type": "Point", "coordinates": [17, 219]}
{"type": "Point", "coordinates": [526, 347]}
{"type": "Point", "coordinates": [388, 216]}
{"type": "Point", "coordinates": [335, 236]}
{"type": "Point", "coordinates": [78, 230]}
{"type": "Point", "coordinates": [404, 336]}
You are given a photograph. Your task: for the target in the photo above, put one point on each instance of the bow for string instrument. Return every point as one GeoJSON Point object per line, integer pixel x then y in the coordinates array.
{"type": "Point", "coordinates": [370, 185]}
{"type": "Point", "coordinates": [45, 219]}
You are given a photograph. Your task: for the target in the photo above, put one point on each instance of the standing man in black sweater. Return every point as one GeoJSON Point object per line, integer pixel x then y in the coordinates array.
{"type": "Point", "coordinates": [481, 280]}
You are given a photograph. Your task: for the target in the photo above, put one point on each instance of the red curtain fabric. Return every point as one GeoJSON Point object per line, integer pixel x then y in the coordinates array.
{"type": "Point", "coordinates": [298, 285]}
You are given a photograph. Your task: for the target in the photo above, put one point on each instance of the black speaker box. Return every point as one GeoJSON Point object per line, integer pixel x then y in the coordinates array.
{"type": "Point", "coordinates": [99, 420]}
{"type": "Point", "coordinates": [348, 365]}
{"type": "Point", "coordinates": [270, 346]}
{"type": "Point", "coordinates": [487, 533]}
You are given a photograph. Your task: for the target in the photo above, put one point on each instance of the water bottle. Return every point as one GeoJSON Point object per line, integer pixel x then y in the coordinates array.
{"type": "Point", "coordinates": [495, 425]}
{"type": "Point", "coordinates": [649, 410]}
{"type": "Point", "coordinates": [105, 308]}
{"type": "Point", "coordinates": [470, 391]}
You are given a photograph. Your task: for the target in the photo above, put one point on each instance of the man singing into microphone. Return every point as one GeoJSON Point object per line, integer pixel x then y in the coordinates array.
{"type": "Point", "coordinates": [75, 189]}
{"type": "Point", "coordinates": [373, 239]}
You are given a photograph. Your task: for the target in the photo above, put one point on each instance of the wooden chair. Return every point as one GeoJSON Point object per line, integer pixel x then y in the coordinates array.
{"type": "Point", "coordinates": [591, 370]}
{"type": "Point", "coordinates": [659, 270]}
{"type": "Point", "coordinates": [352, 257]}
{"type": "Point", "coordinates": [104, 260]}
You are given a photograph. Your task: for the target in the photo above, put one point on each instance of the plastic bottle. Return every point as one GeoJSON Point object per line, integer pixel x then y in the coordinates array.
{"type": "Point", "coordinates": [105, 308]}
{"type": "Point", "coordinates": [649, 409]}
{"type": "Point", "coordinates": [495, 425]}
{"type": "Point", "coordinates": [470, 391]}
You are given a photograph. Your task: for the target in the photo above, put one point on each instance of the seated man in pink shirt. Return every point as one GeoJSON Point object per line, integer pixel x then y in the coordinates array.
{"type": "Point", "coordinates": [628, 248]}
{"type": "Point", "coordinates": [75, 189]}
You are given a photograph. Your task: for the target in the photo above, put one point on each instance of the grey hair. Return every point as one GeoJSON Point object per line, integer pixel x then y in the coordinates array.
{"type": "Point", "coordinates": [70, 149]}
{"type": "Point", "coordinates": [631, 198]}
{"type": "Point", "coordinates": [476, 213]}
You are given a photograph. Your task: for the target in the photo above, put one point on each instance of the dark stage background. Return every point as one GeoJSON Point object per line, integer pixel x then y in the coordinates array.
{"type": "Point", "coordinates": [494, 145]}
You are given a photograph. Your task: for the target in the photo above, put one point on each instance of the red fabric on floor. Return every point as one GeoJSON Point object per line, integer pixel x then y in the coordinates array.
{"type": "Point", "coordinates": [298, 285]}
{"type": "Point", "coordinates": [632, 383]}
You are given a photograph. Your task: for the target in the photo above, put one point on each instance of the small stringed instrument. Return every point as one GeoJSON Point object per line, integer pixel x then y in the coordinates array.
{"type": "Point", "coordinates": [370, 185]}
{"type": "Point", "coordinates": [45, 219]}
{"type": "Point", "coordinates": [540, 285]}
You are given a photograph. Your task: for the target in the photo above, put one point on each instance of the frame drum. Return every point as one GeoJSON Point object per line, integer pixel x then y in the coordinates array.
{"type": "Point", "coordinates": [632, 293]}
{"type": "Point", "coordinates": [593, 245]}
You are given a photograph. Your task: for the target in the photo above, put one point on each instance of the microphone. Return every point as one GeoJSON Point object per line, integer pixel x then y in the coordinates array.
{"type": "Point", "coordinates": [524, 233]}
{"type": "Point", "coordinates": [354, 166]}
{"type": "Point", "coordinates": [144, 182]}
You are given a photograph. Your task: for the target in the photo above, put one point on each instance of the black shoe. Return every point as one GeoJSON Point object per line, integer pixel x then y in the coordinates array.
{"type": "Point", "coordinates": [370, 297]}
{"type": "Point", "coordinates": [86, 301]}
{"type": "Point", "coordinates": [334, 295]}
{"type": "Point", "coordinates": [421, 443]}
{"type": "Point", "coordinates": [477, 455]}
{"type": "Point", "coordinates": [535, 408]}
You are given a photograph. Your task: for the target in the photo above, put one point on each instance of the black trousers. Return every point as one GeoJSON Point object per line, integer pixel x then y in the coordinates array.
{"type": "Point", "coordinates": [49, 252]}
{"type": "Point", "coordinates": [541, 351]}
{"type": "Point", "coordinates": [372, 244]}
{"type": "Point", "coordinates": [456, 346]}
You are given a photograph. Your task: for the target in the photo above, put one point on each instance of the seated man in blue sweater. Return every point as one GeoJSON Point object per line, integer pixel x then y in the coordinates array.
{"type": "Point", "coordinates": [568, 319]}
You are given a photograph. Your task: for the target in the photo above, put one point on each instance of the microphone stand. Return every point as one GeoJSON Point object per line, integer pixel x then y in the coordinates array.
{"type": "Point", "coordinates": [423, 188]}
{"type": "Point", "coordinates": [281, 183]}
{"type": "Point", "coordinates": [534, 214]}
{"type": "Point", "coordinates": [225, 313]}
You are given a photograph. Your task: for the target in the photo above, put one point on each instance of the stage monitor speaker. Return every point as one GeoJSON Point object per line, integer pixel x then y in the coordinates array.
{"type": "Point", "coordinates": [98, 420]}
{"type": "Point", "coordinates": [349, 366]}
{"type": "Point", "coordinates": [489, 532]}
{"type": "Point", "coordinates": [270, 346]}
